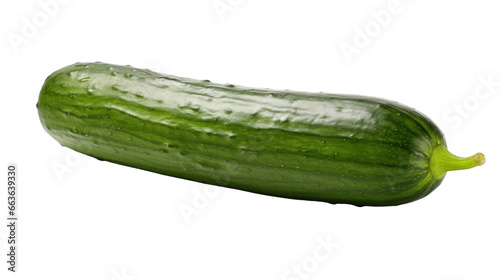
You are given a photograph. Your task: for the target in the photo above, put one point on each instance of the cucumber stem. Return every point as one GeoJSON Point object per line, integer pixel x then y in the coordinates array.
{"type": "Point", "coordinates": [442, 161]}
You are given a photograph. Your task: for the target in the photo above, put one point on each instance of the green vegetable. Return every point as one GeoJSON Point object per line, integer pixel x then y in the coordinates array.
{"type": "Point", "coordinates": [325, 147]}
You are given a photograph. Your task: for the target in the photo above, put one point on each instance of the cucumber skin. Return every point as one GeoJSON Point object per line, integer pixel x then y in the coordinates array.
{"type": "Point", "coordinates": [324, 147]}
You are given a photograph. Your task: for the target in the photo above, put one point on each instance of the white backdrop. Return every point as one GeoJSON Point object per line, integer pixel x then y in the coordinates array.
{"type": "Point", "coordinates": [80, 218]}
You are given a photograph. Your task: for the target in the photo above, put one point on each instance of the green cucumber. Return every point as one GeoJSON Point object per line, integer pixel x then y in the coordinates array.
{"type": "Point", "coordinates": [323, 147]}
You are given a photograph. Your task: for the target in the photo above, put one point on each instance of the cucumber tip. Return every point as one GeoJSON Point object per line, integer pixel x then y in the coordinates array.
{"type": "Point", "coordinates": [480, 159]}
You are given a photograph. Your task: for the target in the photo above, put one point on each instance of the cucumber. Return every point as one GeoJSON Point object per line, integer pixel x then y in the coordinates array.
{"type": "Point", "coordinates": [311, 146]}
